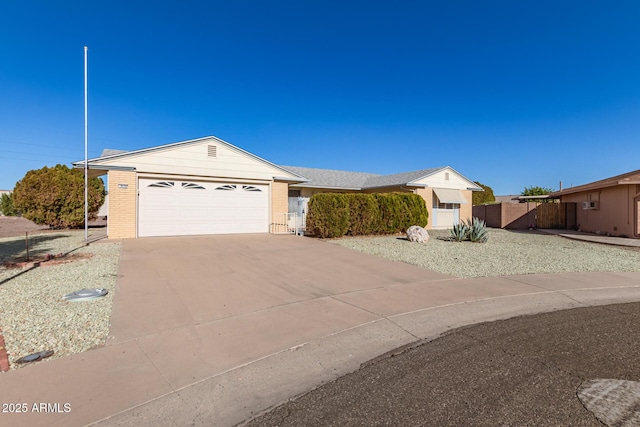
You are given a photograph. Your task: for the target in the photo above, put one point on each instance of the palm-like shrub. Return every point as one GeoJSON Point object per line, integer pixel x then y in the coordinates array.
{"type": "Point", "coordinates": [459, 232]}
{"type": "Point", "coordinates": [474, 230]}
{"type": "Point", "coordinates": [477, 230]}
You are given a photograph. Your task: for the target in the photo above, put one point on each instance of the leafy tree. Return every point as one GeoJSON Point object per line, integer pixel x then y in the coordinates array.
{"type": "Point", "coordinates": [55, 196]}
{"type": "Point", "coordinates": [6, 205]}
{"type": "Point", "coordinates": [483, 197]}
{"type": "Point", "coordinates": [536, 191]}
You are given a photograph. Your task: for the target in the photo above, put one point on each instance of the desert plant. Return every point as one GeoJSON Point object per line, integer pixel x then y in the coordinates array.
{"type": "Point", "coordinates": [474, 230]}
{"type": "Point", "coordinates": [477, 230]}
{"type": "Point", "coordinates": [55, 196]}
{"type": "Point", "coordinates": [459, 232]}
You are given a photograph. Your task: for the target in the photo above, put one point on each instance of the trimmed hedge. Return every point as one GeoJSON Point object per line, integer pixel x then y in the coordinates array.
{"type": "Point", "coordinates": [354, 214]}
{"type": "Point", "coordinates": [328, 215]}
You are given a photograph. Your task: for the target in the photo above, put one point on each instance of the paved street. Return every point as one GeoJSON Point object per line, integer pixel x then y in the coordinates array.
{"type": "Point", "coordinates": [522, 371]}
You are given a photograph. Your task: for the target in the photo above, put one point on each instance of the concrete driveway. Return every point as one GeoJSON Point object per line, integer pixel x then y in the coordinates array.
{"type": "Point", "coordinates": [212, 330]}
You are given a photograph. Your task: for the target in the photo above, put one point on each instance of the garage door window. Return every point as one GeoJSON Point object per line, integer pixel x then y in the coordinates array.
{"type": "Point", "coordinates": [191, 185]}
{"type": "Point", "coordinates": [162, 184]}
{"type": "Point", "coordinates": [226, 187]}
{"type": "Point", "coordinates": [250, 188]}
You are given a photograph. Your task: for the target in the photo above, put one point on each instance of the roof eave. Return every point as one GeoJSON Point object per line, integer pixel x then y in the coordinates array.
{"type": "Point", "coordinates": [328, 187]}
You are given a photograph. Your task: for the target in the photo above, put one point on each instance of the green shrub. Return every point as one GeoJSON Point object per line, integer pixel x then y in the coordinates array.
{"type": "Point", "coordinates": [364, 214]}
{"type": "Point", "coordinates": [55, 196]}
{"type": "Point", "coordinates": [328, 215]}
{"type": "Point", "coordinates": [6, 205]}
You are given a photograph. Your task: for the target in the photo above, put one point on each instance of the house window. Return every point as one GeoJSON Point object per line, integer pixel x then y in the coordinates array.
{"type": "Point", "coordinates": [294, 193]}
{"type": "Point", "coordinates": [437, 204]}
{"type": "Point", "coordinates": [250, 188]}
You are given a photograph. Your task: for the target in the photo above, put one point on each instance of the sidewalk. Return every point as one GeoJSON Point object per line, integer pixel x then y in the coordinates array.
{"type": "Point", "coordinates": [259, 333]}
{"type": "Point", "coordinates": [595, 238]}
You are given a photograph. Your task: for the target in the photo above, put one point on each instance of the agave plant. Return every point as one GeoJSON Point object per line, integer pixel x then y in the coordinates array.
{"type": "Point", "coordinates": [459, 232]}
{"type": "Point", "coordinates": [477, 230]}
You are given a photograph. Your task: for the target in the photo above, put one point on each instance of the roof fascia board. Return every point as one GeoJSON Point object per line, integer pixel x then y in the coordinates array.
{"type": "Point", "coordinates": [190, 142]}
{"type": "Point", "coordinates": [397, 185]}
{"type": "Point", "coordinates": [327, 187]}
{"type": "Point", "coordinates": [289, 179]}
{"type": "Point", "coordinates": [104, 167]}
{"type": "Point", "coordinates": [471, 183]}
{"type": "Point", "coordinates": [585, 187]}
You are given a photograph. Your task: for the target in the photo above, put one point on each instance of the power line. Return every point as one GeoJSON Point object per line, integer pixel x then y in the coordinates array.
{"type": "Point", "coordinates": [31, 154]}
{"type": "Point", "coordinates": [37, 145]}
{"type": "Point", "coordinates": [30, 160]}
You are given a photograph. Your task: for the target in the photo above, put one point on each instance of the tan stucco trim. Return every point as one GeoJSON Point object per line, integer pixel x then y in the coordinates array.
{"type": "Point", "coordinates": [123, 197]}
{"type": "Point", "coordinates": [466, 209]}
{"type": "Point", "coordinates": [427, 195]}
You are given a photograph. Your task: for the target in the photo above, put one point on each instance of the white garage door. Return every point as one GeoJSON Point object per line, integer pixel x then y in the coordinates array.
{"type": "Point", "coordinates": [178, 208]}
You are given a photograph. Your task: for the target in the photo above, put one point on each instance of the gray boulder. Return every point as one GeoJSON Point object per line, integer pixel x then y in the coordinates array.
{"type": "Point", "coordinates": [415, 233]}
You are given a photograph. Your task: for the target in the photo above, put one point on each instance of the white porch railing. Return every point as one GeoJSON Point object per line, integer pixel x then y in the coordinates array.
{"type": "Point", "coordinates": [287, 223]}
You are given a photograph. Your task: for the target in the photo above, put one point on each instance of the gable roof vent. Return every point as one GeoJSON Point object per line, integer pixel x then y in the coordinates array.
{"type": "Point", "coordinates": [212, 151]}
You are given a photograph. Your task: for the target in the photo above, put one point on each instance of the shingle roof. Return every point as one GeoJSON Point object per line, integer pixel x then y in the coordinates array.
{"type": "Point", "coordinates": [328, 178]}
{"type": "Point", "coordinates": [398, 178]}
{"type": "Point", "coordinates": [109, 152]}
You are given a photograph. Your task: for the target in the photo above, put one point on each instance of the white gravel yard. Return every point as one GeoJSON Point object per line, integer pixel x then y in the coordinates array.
{"type": "Point", "coordinates": [33, 315]}
{"type": "Point", "coordinates": [506, 253]}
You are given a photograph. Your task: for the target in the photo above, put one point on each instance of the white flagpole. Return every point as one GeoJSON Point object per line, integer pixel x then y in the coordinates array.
{"type": "Point", "coordinates": [86, 166]}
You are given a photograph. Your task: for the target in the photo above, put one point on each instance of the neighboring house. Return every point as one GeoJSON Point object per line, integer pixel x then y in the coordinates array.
{"type": "Point", "coordinates": [208, 186]}
{"type": "Point", "coordinates": [610, 206]}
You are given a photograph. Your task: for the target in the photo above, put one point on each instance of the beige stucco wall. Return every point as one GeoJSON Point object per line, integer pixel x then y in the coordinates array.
{"type": "Point", "coordinates": [427, 195]}
{"type": "Point", "coordinates": [121, 220]}
{"type": "Point", "coordinates": [466, 209]}
{"type": "Point", "coordinates": [193, 159]}
{"type": "Point", "coordinates": [616, 215]}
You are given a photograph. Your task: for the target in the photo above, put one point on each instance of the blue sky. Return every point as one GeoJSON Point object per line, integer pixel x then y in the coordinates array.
{"type": "Point", "coordinates": [508, 93]}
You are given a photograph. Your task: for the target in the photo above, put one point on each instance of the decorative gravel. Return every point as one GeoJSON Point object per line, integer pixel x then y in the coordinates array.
{"type": "Point", "coordinates": [33, 315]}
{"type": "Point", "coordinates": [506, 253]}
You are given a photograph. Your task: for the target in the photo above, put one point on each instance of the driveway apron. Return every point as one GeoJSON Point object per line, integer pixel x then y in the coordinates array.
{"type": "Point", "coordinates": [212, 330]}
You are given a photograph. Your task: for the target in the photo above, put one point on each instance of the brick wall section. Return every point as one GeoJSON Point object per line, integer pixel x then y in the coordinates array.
{"type": "Point", "coordinates": [490, 214]}
{"type": "Point", "coordinates": [427, 195]}
{"type": "Point", "coordinates": [122, 205]}
{"type": "Point", "coordinates": [279, 198]}
{"type": "Point", "coordinates": [507, 215]}
{"type": "Point", "coordinates": [518, 216]}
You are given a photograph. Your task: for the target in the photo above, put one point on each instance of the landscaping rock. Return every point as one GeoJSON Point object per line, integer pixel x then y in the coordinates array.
{"type": "Point", "coordinates": [415, 233]}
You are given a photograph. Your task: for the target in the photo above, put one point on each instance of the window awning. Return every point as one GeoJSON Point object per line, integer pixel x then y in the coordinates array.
{"type": "Point", "coordinates": [449, 195]}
